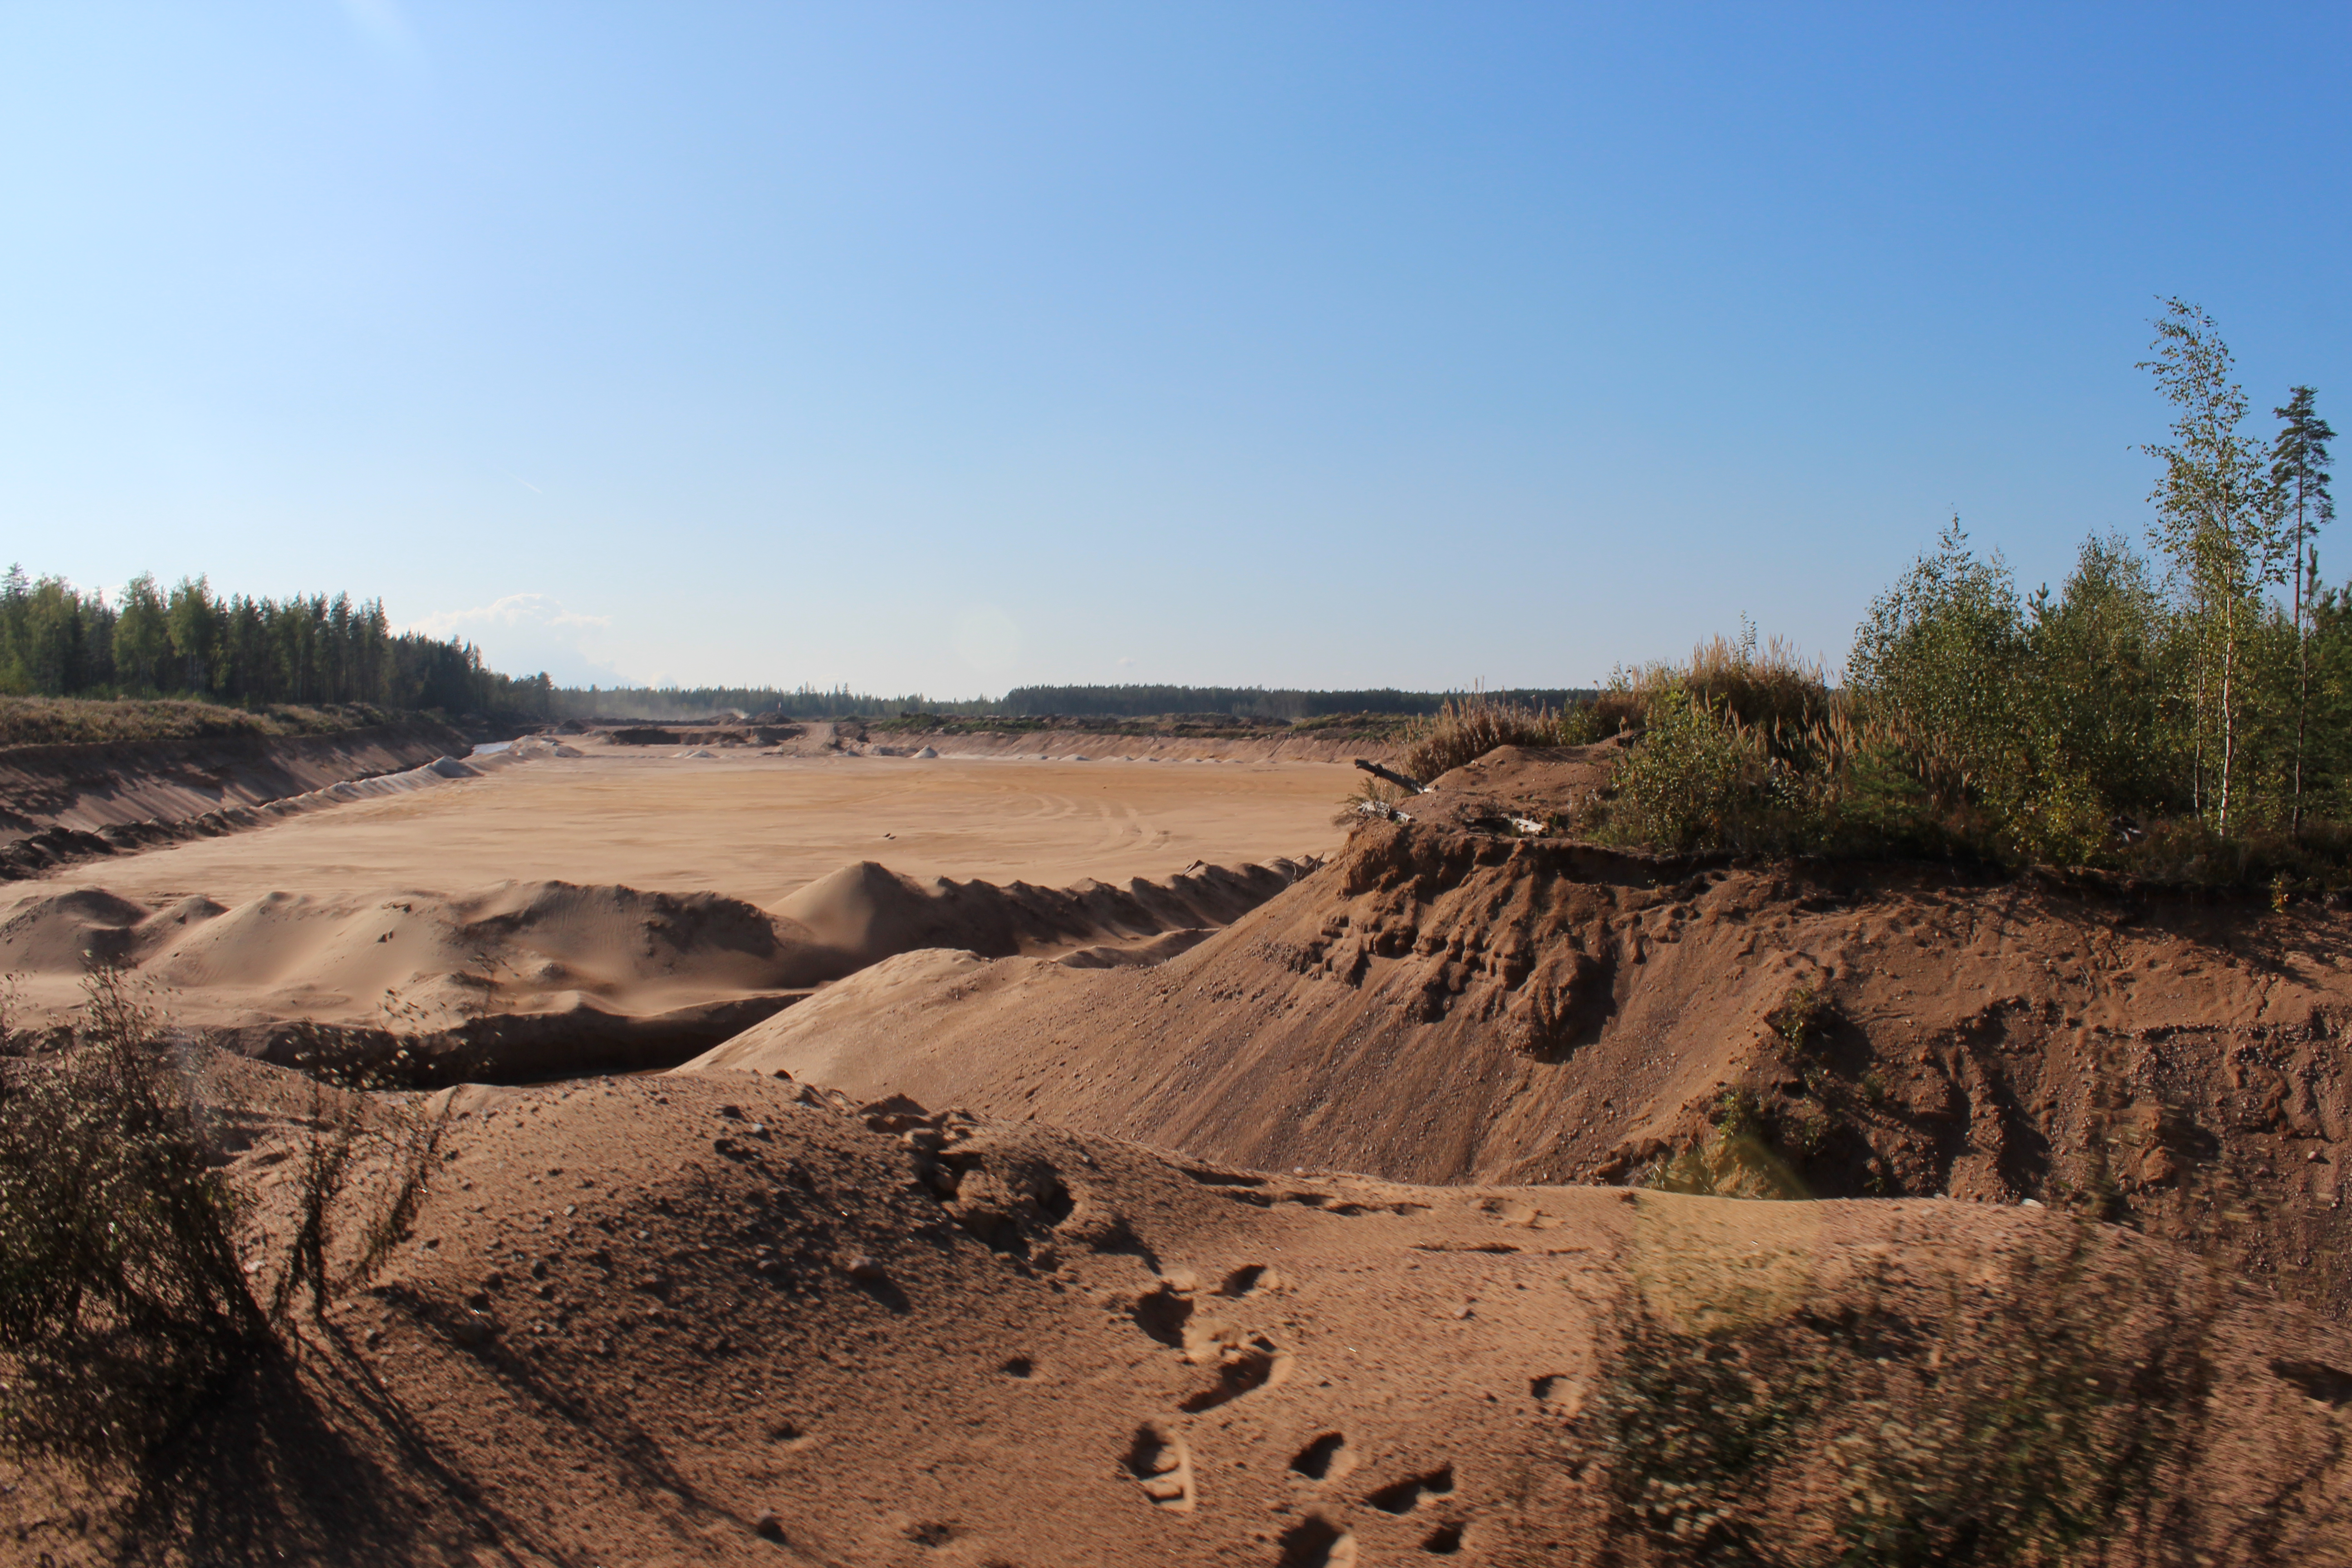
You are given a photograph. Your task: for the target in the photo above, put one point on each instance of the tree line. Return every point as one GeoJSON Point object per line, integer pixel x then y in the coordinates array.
{"type": "Point", "coordinates": [57, 640]}
{"type": "Point", "coordinates": [2182, 705]}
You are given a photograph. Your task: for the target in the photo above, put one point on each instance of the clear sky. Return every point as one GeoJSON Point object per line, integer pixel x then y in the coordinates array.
{"type": "Point", "coordinates": [950, 347]}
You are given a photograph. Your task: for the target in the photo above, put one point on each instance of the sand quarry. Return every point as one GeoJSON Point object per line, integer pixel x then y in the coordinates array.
{"type": "Point", "coordinates": [994, 1161]}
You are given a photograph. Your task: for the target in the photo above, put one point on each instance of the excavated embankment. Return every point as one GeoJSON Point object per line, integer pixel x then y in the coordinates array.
{"type": "Point", "coordinates": [1438, 1006]}
{"type": "Point", "coordinates": [65, 804]}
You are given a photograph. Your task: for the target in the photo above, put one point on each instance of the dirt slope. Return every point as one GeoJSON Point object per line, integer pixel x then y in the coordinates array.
{"type": "Point", "coordinates": [61, 805]}
{"type": "Point", "coordinates": [689, 1320]}
{"type": "Point", "coordinates": [115, 782]}
{"type": "Point", "coordinates": [1441, 1007]}
{"type": "Point", "coordinates": [531, 978]}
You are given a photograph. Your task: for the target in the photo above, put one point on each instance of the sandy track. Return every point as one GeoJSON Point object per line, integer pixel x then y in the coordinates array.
{"type": "Point", "coordinates": [759, 828]}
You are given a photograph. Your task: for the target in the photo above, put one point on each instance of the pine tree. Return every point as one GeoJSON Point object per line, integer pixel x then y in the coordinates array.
{"type": "Point", "coordinates": [2299, 473]}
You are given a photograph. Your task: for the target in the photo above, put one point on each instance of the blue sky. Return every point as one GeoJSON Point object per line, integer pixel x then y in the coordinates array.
{"type": "Point", "coordinates": [945, 348]}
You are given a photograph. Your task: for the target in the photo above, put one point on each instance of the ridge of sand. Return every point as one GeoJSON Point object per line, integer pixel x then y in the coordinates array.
{"type": "Point", "coordinates": [1440, 1007]}
{"type": "Point", "coordinates": [534, 978]}
{"type": "Point", "coordinates": [699, 1321]}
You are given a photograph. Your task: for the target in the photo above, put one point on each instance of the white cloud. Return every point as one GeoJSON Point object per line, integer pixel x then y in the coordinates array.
{"type": "Point", "coordinates": [515, 610]}
{"type": "Point", "coordinates": [524, 632]}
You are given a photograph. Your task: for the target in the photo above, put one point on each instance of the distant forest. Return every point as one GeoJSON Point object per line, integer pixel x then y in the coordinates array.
{"type": "Point", "coordinates": [57, 640]}
{"type": "Point", "coordinates": [1257, 701]}
{"type": "Point", "coordinates": [1023, 702]}
{"type": "Point", "coordinates": [60, 641]}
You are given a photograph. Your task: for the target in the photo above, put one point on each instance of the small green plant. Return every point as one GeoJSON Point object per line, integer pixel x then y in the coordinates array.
{"type": "Point", "coordinates": [1874, 1088]}
{"type": "Point", "coordinates": [1802, 1015]}
{"type": "Point", "coordinates": [2022, 1422]}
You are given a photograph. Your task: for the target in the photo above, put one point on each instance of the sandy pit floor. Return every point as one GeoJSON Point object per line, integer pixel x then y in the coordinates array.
{"type": "Point", "coordinates": [759, 828]}
{"type": "Point", "coordinates": [640, 885]}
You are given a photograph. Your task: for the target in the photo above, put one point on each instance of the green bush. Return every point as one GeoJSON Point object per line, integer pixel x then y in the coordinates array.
{"type": "Point", "coordinates": [1692, 781]}
{"type": "Point", "coordinates": [2039, 1416]}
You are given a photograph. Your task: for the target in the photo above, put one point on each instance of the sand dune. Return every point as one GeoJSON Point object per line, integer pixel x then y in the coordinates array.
{"type": "Point", "coordinates": [673, 1321]}
{"type": "Point", "coordinates": [528, 978]}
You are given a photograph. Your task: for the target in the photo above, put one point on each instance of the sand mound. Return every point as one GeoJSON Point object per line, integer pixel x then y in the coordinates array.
{"type": "Point", "coordinates": [870, 912]}
{"type": "Point", "coordinates": [928, 752]}
{"type": "Point", "coordinates": [530, 978]}
{"type": "Point", "coordinates": [1451, 1007]}
{"type": "Point", "coordinates": [699, 1319]}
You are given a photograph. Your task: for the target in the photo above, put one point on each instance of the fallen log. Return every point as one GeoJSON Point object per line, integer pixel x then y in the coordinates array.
{"type": "Point", "coordinates": [1378, 772]}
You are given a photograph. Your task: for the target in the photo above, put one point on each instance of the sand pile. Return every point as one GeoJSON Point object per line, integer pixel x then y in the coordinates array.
{"type": "Point", "coordinates": [532, 978]}
{"type": "Point", "coordinates": [702, 1320]}
{"type": "Point", "coordinates": [1444, 1006]}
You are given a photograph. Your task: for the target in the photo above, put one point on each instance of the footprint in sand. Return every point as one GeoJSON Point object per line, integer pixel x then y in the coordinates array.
{"type": "Point", "coordinates": [1315, 1541]}
{"type": "Point", "coordinates": [1242, 1367]}
{"type": "Point", "coordinates": [1403, 1497]}
{"type": "Point", "coordinates": [1328, 1457]}
{"type": "Point", "coordinates": [1160, 1461]}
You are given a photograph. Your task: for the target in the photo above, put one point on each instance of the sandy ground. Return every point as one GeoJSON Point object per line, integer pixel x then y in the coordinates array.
{"type": "Point", "coordinates": [759, 828]}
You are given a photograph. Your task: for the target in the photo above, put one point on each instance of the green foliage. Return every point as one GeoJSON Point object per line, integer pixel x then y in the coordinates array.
{"type": "Point", "coordinates": [2028, 1421]}
{"type": "Point", "coordinates": [1696, 781]}
{"type": "Point", "coordinates": [56, 641]}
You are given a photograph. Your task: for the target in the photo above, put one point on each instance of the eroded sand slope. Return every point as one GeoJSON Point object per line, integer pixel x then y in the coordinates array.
{"type": "Point", "coordinates": [687, 1320]}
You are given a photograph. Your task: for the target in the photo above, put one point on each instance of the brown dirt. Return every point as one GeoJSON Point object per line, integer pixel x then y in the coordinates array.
{"type": "Point", "coordinates": [1263, 1251]}
{"type": "Point", "coordinates": [699, 1319]}
{"type": "Point", "coordinates": [1441, 1007]}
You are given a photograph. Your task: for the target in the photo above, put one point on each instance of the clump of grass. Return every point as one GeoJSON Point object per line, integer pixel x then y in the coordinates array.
{"type": "Point", "coordinates": [1802, 1016]}
{"type": "Point", "coordinates": [1374, 800]}
{"type": "Point", "coordinates": [1462, 731]}
{"type": "Point", "coordinates": [2052, 1411]}
{"type": "Point", "coordinates": [1740, 1157]}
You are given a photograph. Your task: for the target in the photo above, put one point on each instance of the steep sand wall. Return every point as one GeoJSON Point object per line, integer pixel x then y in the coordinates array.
{"type": "Point", "coordinates": [117, 783]}
{"type": "Point", "coordinates": [1443, 1006]}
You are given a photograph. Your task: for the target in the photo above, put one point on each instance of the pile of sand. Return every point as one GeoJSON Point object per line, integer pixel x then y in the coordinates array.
{"type": "Point", "coordinates": [1443, 1006]}
{"type": "Point", "coordinates": [530, 978]}
{"type": "Point", "coordinates": [703, 1321]}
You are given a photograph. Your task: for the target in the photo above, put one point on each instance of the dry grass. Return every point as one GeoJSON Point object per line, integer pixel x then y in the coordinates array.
{"type": "Point", "coordinates": [130, 1287]}
{"type": "Point", "coordinates": [85, 721]}
{"type": "Point", "coordinates": [1774, 688]}
{"type": "Point", "coordinates": [2047, 1417]}
{"type": "Point", "coordinates": [1461, 732]}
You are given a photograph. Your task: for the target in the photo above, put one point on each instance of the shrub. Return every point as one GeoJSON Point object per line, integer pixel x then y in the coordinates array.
{"type": "Point", "coordinates": [1693, 782]}
{"type": "Point", "coordinates": [2016, 1424]}
{"type": "Point", "coordinates": [121, 1296]}
{"type": "Point", "coordinates": [124, 1303]}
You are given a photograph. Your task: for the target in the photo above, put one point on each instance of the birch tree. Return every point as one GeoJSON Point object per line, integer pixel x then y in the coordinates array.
{"type": "Point", "coordinates": [2220, 523]}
